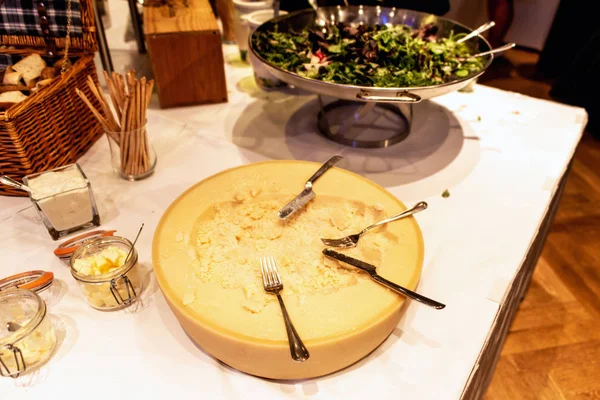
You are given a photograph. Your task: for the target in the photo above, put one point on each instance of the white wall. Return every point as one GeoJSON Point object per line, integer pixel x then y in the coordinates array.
{"type": "Point", "coordinates": [533, 20]}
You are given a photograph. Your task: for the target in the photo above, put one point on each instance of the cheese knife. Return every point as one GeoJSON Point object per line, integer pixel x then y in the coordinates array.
{"type": "Point", "coordinates": [372, 270]}
{"type": "Point", "coordinates": [307, 194]}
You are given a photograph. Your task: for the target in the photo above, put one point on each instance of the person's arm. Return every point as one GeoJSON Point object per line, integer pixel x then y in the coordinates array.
{"type": "Point", "coordinates": [502, 13]}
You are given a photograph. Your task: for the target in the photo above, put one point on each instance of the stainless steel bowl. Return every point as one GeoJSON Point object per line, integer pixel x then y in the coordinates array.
{"type": "Point", "coordinates": [367, 15]}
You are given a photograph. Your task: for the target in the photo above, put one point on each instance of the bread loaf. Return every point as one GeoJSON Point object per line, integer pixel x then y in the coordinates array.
{"type": "Point", "coordinates": [12, 88]}
{"type": "Point", "coordinates": [12, 97]}
{"type": "Point", "coordinates": [41, 84]}
{"type": "Point", "coordinates": [12, 78]}
{"type": "Point", "coordinates": [31, 67]}
{"type": "Point", "coordinates": [48, 73]}
{"type": "Point", "coordinates": [59, 64]}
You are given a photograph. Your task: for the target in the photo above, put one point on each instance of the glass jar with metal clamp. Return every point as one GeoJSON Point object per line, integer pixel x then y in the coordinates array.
{"type": "Point", "coordinates": [27, 337]}
{"type": "Point", "coordinates": [107, 272]}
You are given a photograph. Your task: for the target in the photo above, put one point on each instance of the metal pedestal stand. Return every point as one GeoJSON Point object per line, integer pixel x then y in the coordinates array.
{"type": "Point", "coordinates": [365, 124]}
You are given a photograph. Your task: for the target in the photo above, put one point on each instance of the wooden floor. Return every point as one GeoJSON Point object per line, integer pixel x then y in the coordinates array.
{"type": "Point", "coordinates": [553, 348]}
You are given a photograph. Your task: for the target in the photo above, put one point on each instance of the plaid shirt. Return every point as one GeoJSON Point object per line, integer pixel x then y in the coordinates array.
{"type": "Point", "coordinates": [20, 17]}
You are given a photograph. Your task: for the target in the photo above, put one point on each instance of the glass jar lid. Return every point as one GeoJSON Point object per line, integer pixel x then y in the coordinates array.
{"type": "Point", "coordinates": [32, 280]}
{"type": "Point", "coordinates": [95, 247]}
{"type": "Point", "coordinates": [67, 248]}
{"type": "Point", "coordinates": [21, 312]}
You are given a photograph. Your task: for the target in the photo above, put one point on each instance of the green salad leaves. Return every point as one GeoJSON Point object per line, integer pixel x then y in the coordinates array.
{"type": "Point", "coordinates": [372, 56]}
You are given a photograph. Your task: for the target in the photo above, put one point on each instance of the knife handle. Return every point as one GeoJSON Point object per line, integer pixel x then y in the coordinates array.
{"type": "Point", "coordinates": [408, 293]}
{"type": "Point", "coordinates": [330, 163]}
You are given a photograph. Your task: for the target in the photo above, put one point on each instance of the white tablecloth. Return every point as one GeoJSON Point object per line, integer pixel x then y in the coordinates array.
{"type": "Point", "coordinates": [499, 154]}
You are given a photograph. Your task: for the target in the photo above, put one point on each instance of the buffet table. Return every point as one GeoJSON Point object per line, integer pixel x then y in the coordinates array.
{"type": "Point", "coordinates": [500, 158]}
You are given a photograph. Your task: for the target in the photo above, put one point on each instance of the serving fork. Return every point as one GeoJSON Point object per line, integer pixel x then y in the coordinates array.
{"type": "Point", "coordinates": [272, 283]}
{"type": "Point", "coordinates": [352, 240]}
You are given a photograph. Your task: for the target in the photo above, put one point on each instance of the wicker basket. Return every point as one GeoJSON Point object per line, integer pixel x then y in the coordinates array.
{"type": "Point", "coordinates": [52, 127]}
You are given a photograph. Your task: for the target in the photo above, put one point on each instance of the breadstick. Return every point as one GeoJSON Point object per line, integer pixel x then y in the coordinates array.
{"type": "Point", "coordinates": [114, 97]}
{"type": "Point", "coordinates": [144, 155]}
{"type": "Point", "coordinates": [97, 92]}
{"type": "Point", "coordinates": [94, 111]}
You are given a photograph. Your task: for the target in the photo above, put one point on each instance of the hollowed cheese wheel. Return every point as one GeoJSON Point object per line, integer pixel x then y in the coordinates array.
{"type": "Point", "coordinates": [339, 325]}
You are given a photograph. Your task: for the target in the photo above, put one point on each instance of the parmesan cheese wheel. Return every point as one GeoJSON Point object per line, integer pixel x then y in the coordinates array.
{"type": "Point", "coordinates": [206, 255]}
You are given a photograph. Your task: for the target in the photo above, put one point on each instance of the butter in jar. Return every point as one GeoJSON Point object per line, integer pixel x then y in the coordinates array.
{"type": "Point", "coordinates": [27, 337]}
{"type": "Point", "coordinates": [107, 273]}
{"type": "Point", "coordinates": [64, 200]}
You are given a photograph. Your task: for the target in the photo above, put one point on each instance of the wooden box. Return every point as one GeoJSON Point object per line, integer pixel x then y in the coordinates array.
{"type": "Point", "coordinates": [185, 49]}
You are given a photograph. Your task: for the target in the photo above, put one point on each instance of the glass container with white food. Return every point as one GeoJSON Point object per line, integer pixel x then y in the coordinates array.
{"type": "Point", "coordinates": [27, 337]}
{"type": "Point", "coordinates": [107, 272]}
{"type": "Point", "coordinates": [64, 200]}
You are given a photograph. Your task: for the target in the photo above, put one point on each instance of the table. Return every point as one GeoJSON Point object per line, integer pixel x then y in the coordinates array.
{"type": "Point", "coordinates": [501, 156]}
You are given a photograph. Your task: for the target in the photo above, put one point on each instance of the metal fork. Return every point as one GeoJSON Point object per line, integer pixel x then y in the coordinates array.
{"type": "Point", "coordinates": [352, 240]}
{"type": "Point", "coordinates": [272, 283]}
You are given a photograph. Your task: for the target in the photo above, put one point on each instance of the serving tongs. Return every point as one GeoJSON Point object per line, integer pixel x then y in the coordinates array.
{"type": "Point", "coordinates": [488, 25]}
{"type": "Point", "coordinates": [489, 52]}
{"type": "Point", "coordinates": [372, 271]}
{"type": "Point", "coordinates": [476, 32]}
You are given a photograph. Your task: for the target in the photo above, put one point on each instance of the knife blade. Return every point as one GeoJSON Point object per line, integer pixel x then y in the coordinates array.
{"type": "Point", "coordinates": [307, 194]}
{"type": "Point", "coordinates": [297, 203]}
{"type": "Point", "coordinates": [371, 269]}
{"type": "Point", "coordinates": [349, 260]}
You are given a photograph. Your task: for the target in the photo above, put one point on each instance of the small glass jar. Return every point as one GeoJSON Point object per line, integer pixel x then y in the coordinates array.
{"type": "Point", "coordinates": [64, 200]}
{"type": "Point", "coordinates": [131, 153]}
{"type": "Point", "coordinates": [27, 337]}
{"type": "Point", "coordinates": [115, 289]}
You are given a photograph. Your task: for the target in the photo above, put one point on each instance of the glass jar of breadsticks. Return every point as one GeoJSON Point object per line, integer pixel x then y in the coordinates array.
{"type": "Point", "coordinates": [124, 120]}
